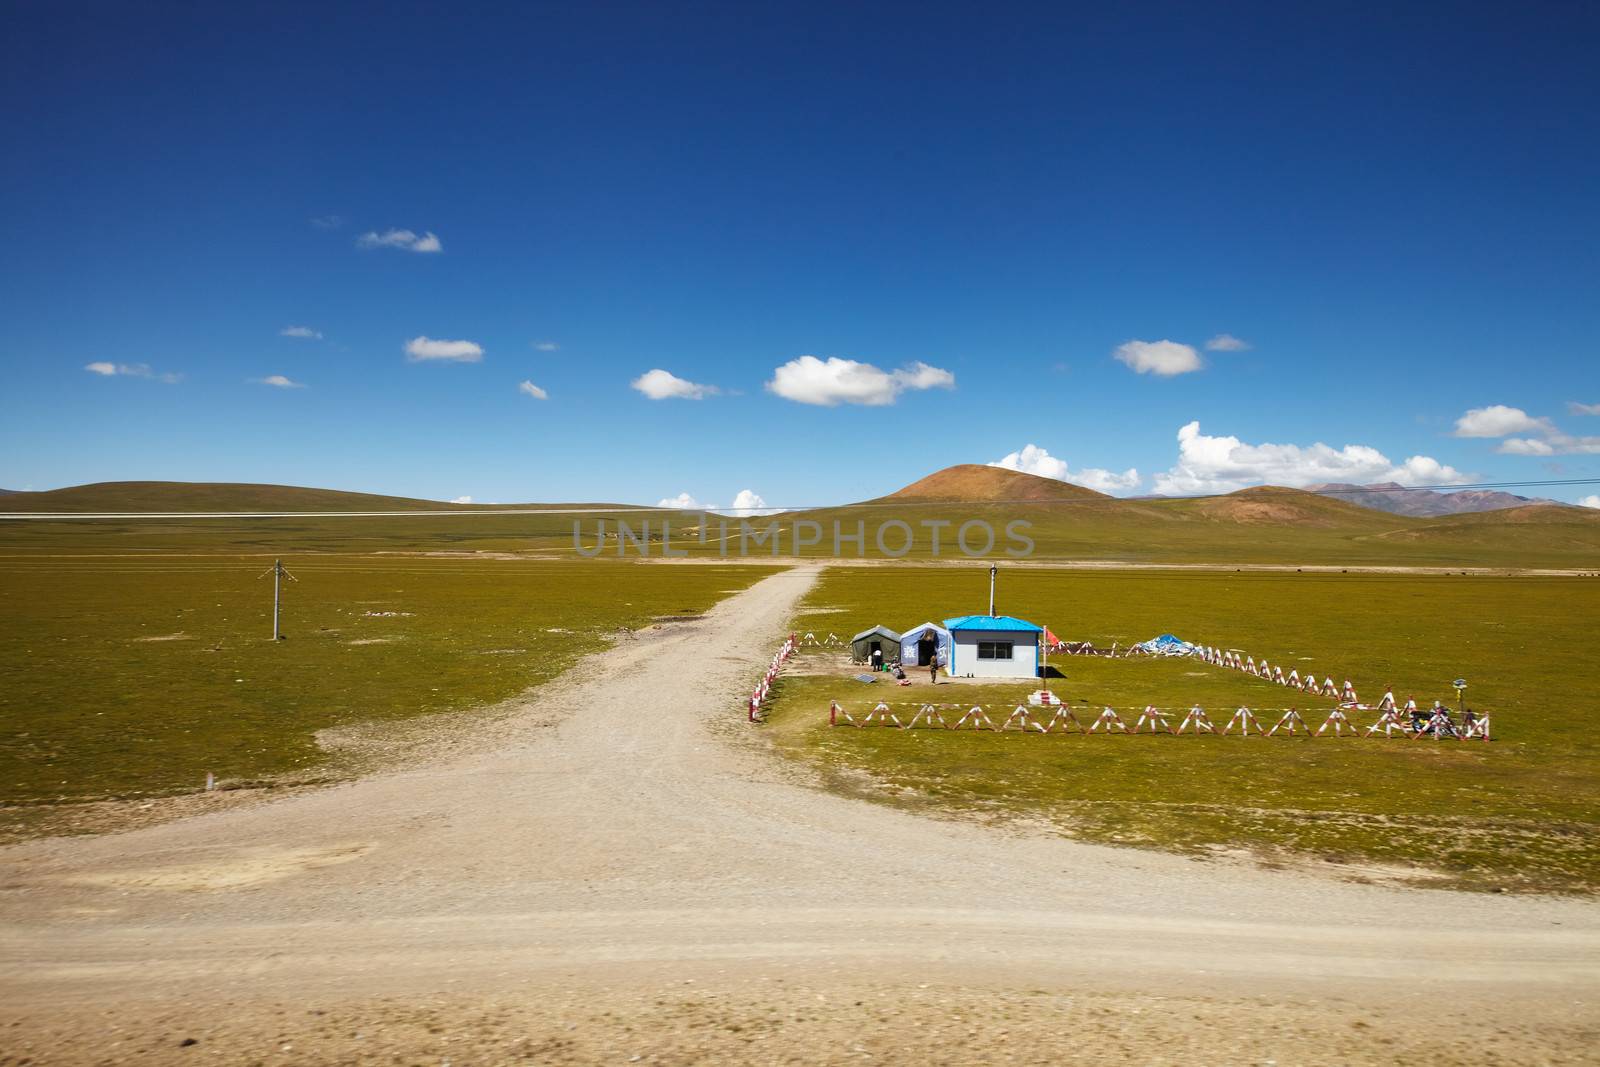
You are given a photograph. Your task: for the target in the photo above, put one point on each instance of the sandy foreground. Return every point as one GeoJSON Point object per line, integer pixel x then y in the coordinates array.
{"type": "Point", "coordinates": [618, 872]}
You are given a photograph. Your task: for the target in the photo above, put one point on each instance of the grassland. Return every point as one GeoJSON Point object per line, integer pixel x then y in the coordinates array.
{"type": "Point", "coordinates": [1280, 527]}
{"type": "Point", "coordinates": [134, 677]}
{"type": "Point", "coordinates": [134, 659]}
{"type": "Point", "coordinates": [1520, 813]}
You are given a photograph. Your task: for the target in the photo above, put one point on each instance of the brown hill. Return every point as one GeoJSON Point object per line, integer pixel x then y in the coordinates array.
{"type": "Point", "coordinates": [1552, 513]}
{"type": "Point", "coordinates": [970, 482]}
{"type": "Point", "coordinates": [1275, 504]}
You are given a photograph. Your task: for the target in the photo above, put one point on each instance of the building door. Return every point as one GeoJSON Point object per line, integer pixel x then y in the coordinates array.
{"type": "Point", "coordinates": [927, 649]}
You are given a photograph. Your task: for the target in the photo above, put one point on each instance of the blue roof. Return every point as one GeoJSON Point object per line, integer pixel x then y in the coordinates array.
{"type": "Point", "coordinates": [1007, 623]}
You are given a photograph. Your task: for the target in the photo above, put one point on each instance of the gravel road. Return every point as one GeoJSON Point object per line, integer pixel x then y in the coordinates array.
{"type": "Point", "coordinates": [619, 872]}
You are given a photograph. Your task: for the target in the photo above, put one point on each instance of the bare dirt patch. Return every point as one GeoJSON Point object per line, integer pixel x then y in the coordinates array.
{"type": "Point", "coordinates": [244, 869]}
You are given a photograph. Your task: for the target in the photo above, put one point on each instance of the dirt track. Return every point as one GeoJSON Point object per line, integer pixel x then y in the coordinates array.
{"type": "Point", "coordinates": [619, 873]}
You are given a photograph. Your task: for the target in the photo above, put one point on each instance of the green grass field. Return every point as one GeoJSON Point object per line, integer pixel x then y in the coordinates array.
{"type": "Point", "coordinates": [134, 655]}
{"type": "Point", "coordinates": [1519, 813]}
{"type": "Point", "coordinates": [1282, 527]}
{"type": "Point", "coordinates": [135, 677]}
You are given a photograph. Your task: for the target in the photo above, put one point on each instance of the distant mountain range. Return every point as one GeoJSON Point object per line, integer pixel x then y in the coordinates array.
{"type": "Point", "coordinates": [1398, 500]}
{"type": "Point", "coordinates": [966, 483]}
{"type": "Point", "coordinates": [1342, 525]}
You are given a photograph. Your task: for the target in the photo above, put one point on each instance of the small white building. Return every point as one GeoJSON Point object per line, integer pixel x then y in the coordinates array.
{"type": "Point", "coordinates": [993, 646]}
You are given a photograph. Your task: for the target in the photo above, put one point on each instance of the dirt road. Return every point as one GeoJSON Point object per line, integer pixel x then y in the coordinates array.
{"type": "Point", "coordinates": [619, 873]}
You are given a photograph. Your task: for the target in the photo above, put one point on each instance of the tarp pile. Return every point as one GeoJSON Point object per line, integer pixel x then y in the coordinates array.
{"type": "Point", "coordinates": [1167, 645]}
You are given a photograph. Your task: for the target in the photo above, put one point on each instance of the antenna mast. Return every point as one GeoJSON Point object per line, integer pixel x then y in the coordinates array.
{"type": "Point", "coordinates": [992, 569]}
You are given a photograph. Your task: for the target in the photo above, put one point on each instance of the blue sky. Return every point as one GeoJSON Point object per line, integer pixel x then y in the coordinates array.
{"type": "Point", "coordinates": [1395, 211]}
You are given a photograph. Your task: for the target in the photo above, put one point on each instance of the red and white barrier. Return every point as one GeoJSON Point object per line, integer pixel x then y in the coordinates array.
{"type": "Point", "coordinates": [882, 715]}
{"type": "Point", "coordinates": [1152, 717]}
{"type": "Point", "coordinates": [977, 717]}
{"type": "Point", "coordinates": [1289, 724]}
{"type": "Point", "coordinates": [763, 688]}
{"type": "Point", "coordinates": [1389, 722]}
{"type": "Point", "coordinates": [1339, 722]}
{"type": "Point", "coordinates": [1110, 720]}
{"type": "Point", "coordinates": [1153, 720]}
{"type": "Point", "coordinates": [1246, 721]}
{"type": "Point", "coordinates": [1022, 720]}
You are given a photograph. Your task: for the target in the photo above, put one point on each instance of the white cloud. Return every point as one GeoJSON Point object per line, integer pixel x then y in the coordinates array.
{"type": "Point", "coordinates": [1525, 446]}
{"type": "Point", "coordinates": [1497, 420]}
{"type": "Point", "coordinates": [748, 502]}
{"type": "Point", "coordinates": [1227, 342]}
{"type": "Point", "coordinates": [809, 380]}
{"type": "Point", "coordinates": [1035, 460]}
{"type": "Point", "coordinates": [683, 500]}
{"type": "Point", "coordinates": [921, 376]}
{"type": "Point", "coordinates": [461, 500]}
{"type": "Point", "coordinates": [419, 349]}
{"type": "Point", "coordinates": [328, 222]}
{"type": "Point", "coordinates": [545, 346]}
{"type": "Point", "coordinates": [1223, 464]}
{"type": "Point", "coordinates": [1554, 443]}
{"type": "Point", "coordinates": [1161, 358]}
{"type": "Point", "coordinates": [278, 381]}
{"type": "Point", "coordinates": [527, 388]}
{"type": "Point", "coordinates": [301, 331]}
{"type": "Point", "coordinates": [1590, 501]}
{"type": "Point", "coordinates": [405, 239]}
{"type": "Point", "coordinates": [131, 370]}
{"type": "Point", "coordinates": [1104, 481]}
{"type": "Point", "coordinates": [664, 385]}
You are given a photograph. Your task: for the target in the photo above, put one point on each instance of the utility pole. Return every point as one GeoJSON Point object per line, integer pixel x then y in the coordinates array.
{"type": "Point", "coordinates": [279, 572]}
{"type": "Point", "coordinates": [992, 569]}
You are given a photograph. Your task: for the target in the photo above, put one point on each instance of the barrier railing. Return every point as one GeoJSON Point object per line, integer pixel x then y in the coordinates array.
{"type": "Point", "coordinates": [763, 688]}
{"type": "Point", "coordinates": [1151, 720]}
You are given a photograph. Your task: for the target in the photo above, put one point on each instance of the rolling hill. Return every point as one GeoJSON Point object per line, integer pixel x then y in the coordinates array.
{"type": "Point", "coordinates": [1266, 524]}
{"type": "Point", "coordinates": [242, 497]}
{"type": "Point", "coordinates": [975, 482]}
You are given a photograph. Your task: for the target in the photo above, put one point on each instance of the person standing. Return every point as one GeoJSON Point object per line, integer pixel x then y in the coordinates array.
{"type": "Point", "coordinates": [933, 671]}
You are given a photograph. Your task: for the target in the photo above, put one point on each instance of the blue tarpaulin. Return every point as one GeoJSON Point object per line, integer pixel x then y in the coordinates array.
{"type": "Point", "coordinates": [1167, 645]}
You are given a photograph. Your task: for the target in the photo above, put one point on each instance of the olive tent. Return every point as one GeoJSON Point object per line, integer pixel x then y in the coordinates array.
{"type": "Point", "coordinates": [925, 645]}
{"type": "Point", "coordinates": [881, 638]}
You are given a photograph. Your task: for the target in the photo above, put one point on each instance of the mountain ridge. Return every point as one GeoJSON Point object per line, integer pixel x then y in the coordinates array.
{"type": "Point", "coordinates": [1395, 499]}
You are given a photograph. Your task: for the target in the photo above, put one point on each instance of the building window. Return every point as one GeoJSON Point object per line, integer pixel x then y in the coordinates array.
{"type": "Point", "coordinates": [994, 649]}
